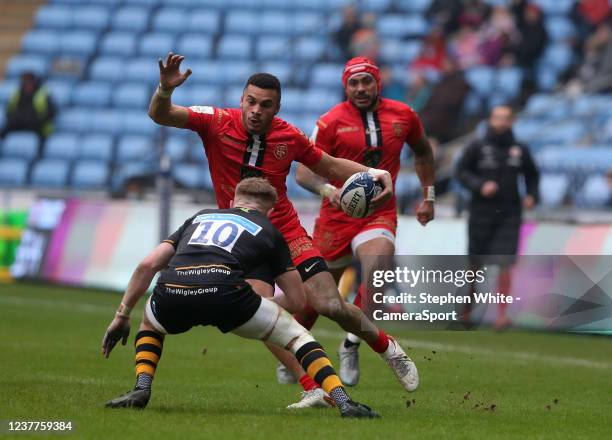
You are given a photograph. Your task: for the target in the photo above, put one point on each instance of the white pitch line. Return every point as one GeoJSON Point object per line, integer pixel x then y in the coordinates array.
{"type": "Point", "coordinates": [55, 304]}
{"type": "Point", "coordinates": [515, 355]}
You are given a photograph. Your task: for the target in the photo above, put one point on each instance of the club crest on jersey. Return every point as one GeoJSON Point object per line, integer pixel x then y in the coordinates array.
{"type": "Point", "coordinates": [280, 151]}
{"type": "Point", "coordinates": [398, 129]}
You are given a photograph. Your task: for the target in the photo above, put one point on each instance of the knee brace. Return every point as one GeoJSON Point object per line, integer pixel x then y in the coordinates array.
{"type": "Point", "coordinates": [286, 330]}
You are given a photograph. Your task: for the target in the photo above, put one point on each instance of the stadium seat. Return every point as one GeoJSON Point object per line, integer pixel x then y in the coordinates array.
{"type": "Point", "coordinates": [526, 129]}
{"type": "Point", "coordinates": [53, 17]}
{"type": "Point", "coordinates": [273, 48]}
{"type": "Point", "coordinates": [81, 43]}
{"type": "Point", "coordinates": [90, 18]}
{"type": "Point", "coordinates": [103, 121]}
{"type": "Point", "coordinates": [508, 81]}
{"type": "Point", "coordinates": [97, 147]}
{"type": "Point", "coordinates": [20, 144]}
{"type": "Point", "coordinates": [7, 88]}
{"type": "Point", "coordinates": [50, 173]}
{"type": "Point", "coordinates": [378, 6]}
{"type": "Point", "coordinates": [205, 95]}
{"type": "Point", "coordinates": [118, 43]}
{"type": "Point", "coordinates": [134, 147]}
{"type": "Point", "coordinates": [590, 105]}
{"type": "Point", "coordinates": [232, 47]}
{"type": "Point", "coordinates": [44, 42]}
{"type": "Point", "coordinates": [399, 51]}
{"type": "Point", "coordinates": [170, 20]}
{"type": "Point", "coordinates": [557, 57]}
{"type": "Point", "coordinates": [203, 21]}
{"type": "Point", "coordinates": [277, 23]}
{"type": "Point", "coordinates": [237, 72]}
{"type": "Point", "coordinates": [194, 46]}
{"type": "Point", "coordinates": [89, 174]}
{"type": "Point", "coordinates": [480, 79]}
{"type": "Point", "coordinates": [142, 69]}
{"type": "Point", "coordinates": [130, 18]}
{"type": "Point", "coordinates": [294, 190]}
{"type": "Point", "coordinates": [137, 122]}
{"type": "Point", "coordinates": [308, 49]}
{"type": "Point", "coordinates": [156, 45]}
{"type": "Point", "coordinates": [553, 189]}
{"type": "Point", "coordinates": [594, 193]}
{"type": "Point", "coordinates": [13, 172]}
{"type": "Point", "coordinates": [191, 176]}
{"type": "Point", "coordinates": [559, 28]}
{"type": "Point", "coordinates": [401, 26]}
{"type": "Point", "coordinates": [309, 24]}
{"type": "Point", "coordinates": [547, 105]}
{"type": "Point", "coordinates": [568, 132]}
{"type": "Point", "coordinates": [72, 120]}
{"type": "Point", "coordinates": [132, 95]}
{"type": "Point", "coordinates": [317, 100]}
{"type": "Point", "coordinates": [129, 170]}
{"type": "Point", "coordinates": [61, 146]}
{"type": "Point", "coordinates": [232, 96]}
{"type": "Point", "coordinates": [92, 94]}
{"type": "Point", "coordinates": [107, 69]}
{"type": "Point", "coordinates": [242, 23]}
{"type": "Point", "coordinates": [282, 71]}
{"type": "Point", "coordinates": [176, 148]}
{"type": "Point", "coordinates": [555, 7]}
{"type": "Point", "coordinates": [326, 75]}
{"type": "Point", "coordinates": [413, 6]}
{"type": "Point", "coordinates": [292, 100]}
{"type": "Point", "coordinates": [23, 63]}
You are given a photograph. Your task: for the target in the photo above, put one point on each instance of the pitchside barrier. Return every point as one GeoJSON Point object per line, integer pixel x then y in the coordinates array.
{"type": "Point", "coordinates": [98, 243]}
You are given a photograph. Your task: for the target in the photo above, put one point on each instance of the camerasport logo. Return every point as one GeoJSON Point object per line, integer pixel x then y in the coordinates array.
{"type": "Point", "coordinates": [280, 151]}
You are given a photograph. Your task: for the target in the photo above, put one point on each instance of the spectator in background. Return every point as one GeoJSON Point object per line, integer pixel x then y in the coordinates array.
{"type": "Point", "coordinates": [419, 92]}
{"type": "Point", "coordinates": [465, 46]}
{"type": "Point", "coordinates": [350, 25]}
{"type": "Point", "coordinates": [433, 53]}
{"type": "Point", "coordinates": [497, 35]}
{"type": "Point", "coordinates": [532, 39]}
{"type": "Point", "coordinates": [391, 88]}
{"type": "Point", "coordinates": [587, 15]}
{"type": "Point", "coordinates": [595, 75]}
{"type": "Point", "coordinates": [30, 108]}
{"type": "Point", "coordinates": [475, 12]}
{"type": "Point", "coordinates": [444, 14]}
{"type": "Point", "coordinates": [365, 42]}
{"type": "Point", "coordinates": [439, 115]}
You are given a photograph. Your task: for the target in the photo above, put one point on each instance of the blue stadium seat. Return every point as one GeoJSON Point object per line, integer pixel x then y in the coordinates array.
{"type": "Point", "coordinates": [309, 24]}
{"type": "Point", "coordinates": [53, 17]}
{"type": "Point", "coordinates": [195, 151]}
{"type": "Point", "coordinates": [13, 172]}
{"type": "Point", "coordinates": [90, 18]}
{"type": "Point", "coordinates": [319, 100]}
{"type": "Point", "coordinates": [559, 28]}
{"type": "Point", "coordinates": [294, 190]}
{"type": "Point", "coordinates": [546, 105]}
{"type": "Point", "coordinates": [50, 173]}
{"type": "Point", "coordinates": [44, 42]}
{"type": "Point", "coordinates": [205, 95]}
{"type": "Point", "coordinates": [557, 57]}
{"type": "Point", "coordinates": [480, 79]}
{"type": "Point", "coordinates": [142, 69]}
{"type": "Point", "coordinates": [7, 88]}
{"type": "Point", "coordinates": [149, 3]}
{"type": "Point", "coordinates": [401, 26]}
{"type": "Point", "coordinates": [234, 47]}
{"type": "Point", "coordinates": [82, 43]}
{"type": "Point", "coordinates": [137, 122]}
{"type": "Point", "coordinates": [107, 69]}
{"type": "Point", "coordinates": [23, 63]}
{"type": "Point", "coordinates": [89, 174]}
{"type": "Point", "coordinates": [92, 94]}
{"type": "Point", "coordinates": [156, 45]}
{"type": "Point", "coordinates": [527, 129]}
{"type": "Point", "coordinates": [232, 96]}
{"type": "Point", "coordinates": [277, 23]}
{"type": "Point", "coordinates": [61, 146]}
{"type": "Point", "coordinates": [321, 5]}
{"type": "Point", "coordinates": [407, 185]}
{"type": "Point", "coordinates": [170, 20]}
{"type": "Point", "coordinates": [555, 7]}
{"type": "Point", "coordinates": [553, 189]}
{"type": "Point", "coordinates": [508, 81]}
{"type": "Point", "coordinates": [568, 132]}
{"type": "Point", "coordinates": [378, 6]}
{"type": "Point", "coordinates": [118, 43]}
{"type": "Point", "coordinates": [134, 147]}
{"type": "Point", "coordinates": [103, 121]}
{"type": "Point", "coordinates": [594, 193]}
{"type": "Point", "coordinates": [414, 6]}
{"type": "Point", "coordinates": [242, 22]}
{"type": "Point", "coordinates": [310, 49]}
{"type": "Point", "coordinates": [129, 170]}
{"type": "Point", "coordinates": [194, 45]}
{"type": "Point", "coordinates": [273, 48]}
{"type": "Point", "coordinates": [591, 105]}
{"type": "Point", "coordinates": [605, 134]}
{"type": "Point", "coordinates": [20, 144]}
{"type": "Point", "coordinates": [176, 148]}
{"type": "Point", "coordinates": [399, 51]}
{"type": "Point", "coordinates": [326, 75]}
{"type": "Point", "coordinates": [60, 90]}
{"type": "Point", "coordinates": [132, 95]}
{"type": "Point", "coordinates": [282, 71]}
{"type": "Point", "coordinates": [73, 120]}
{"type": "Point", "coordinates": [97, 147]}
{"type": "Point", "coordinates": [203, 21]}
{"type": "Point", "coordinates": [292, 100]}
{"type": "Point", "coordinates": [182, 95]}
{"type": "Point", "coordinates": [130, 18]}
{"type": "Point", "coordinates": [191, 176]}
{"type": "Point", "coordinates": [194, 3]}
{"type": "Point", "coordinates": [237, 72]}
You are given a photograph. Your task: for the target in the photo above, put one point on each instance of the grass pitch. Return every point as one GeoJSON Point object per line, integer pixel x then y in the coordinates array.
{"type": "Point", "coordinates": [473, 384]}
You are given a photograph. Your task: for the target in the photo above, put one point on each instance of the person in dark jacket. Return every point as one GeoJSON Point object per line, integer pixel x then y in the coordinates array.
{"type": "Point", "coordinates": [30, 108]}
{"type": "Point", "coordinates": [490, 168]}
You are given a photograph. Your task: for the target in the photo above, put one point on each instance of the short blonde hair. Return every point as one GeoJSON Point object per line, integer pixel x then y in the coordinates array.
{"type": "Point", "coordinates": [257, 189]}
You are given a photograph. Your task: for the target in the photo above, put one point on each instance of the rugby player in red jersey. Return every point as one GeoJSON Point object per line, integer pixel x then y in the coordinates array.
{"type": "Point", "coordinates": [251, 141]}
{"type": "Point", "coordinates": [371, 130]}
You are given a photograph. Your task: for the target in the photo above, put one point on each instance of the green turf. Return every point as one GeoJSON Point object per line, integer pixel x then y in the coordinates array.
{"type": "Point", "coordinates": [51, 369]}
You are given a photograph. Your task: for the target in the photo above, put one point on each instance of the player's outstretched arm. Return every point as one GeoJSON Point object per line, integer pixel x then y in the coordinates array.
{"type": "Point", "coordinates": [317, 184]}
{"type": "Point", "coordinates": [161, 109]}
{"type": "Point", "coordinates": [425, 169]}
{"type": "Point", "coordinates": [293, 298]}
{"type": "Point", "coordinates": [119, 328]}
{"type": "Point", "coordinates": [335, 168]}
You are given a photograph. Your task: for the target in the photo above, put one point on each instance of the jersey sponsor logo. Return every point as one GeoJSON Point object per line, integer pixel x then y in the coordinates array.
{"type": "Point", "coordinates": [203, 109]}
{"type": "Point", "coordinates": [372, 158]}
{"type": "Point", "coordinates": [221, 230]}
{"type": "Point", "coordinates": [228, 138]}
{"type": "Point", "coordinates": [246, 172]}
{"type": "Point", "coordinates": [280, 151]}
{"type": "Point", "coordinates": [299, 246]}
{"type": "Point", "coordinates": [347, 129]}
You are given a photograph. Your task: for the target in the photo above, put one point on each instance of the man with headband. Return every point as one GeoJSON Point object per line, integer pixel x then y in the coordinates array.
{"type": "Point", "coordinates": [371, 130]}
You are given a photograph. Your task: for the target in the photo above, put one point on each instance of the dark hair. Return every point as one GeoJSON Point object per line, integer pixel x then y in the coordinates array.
{"type": "Point", "coordinates": [265, 81]}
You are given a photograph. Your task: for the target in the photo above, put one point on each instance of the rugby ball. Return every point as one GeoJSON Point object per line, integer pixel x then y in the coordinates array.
{"type": "Point", "coordinates": [356, 194]}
